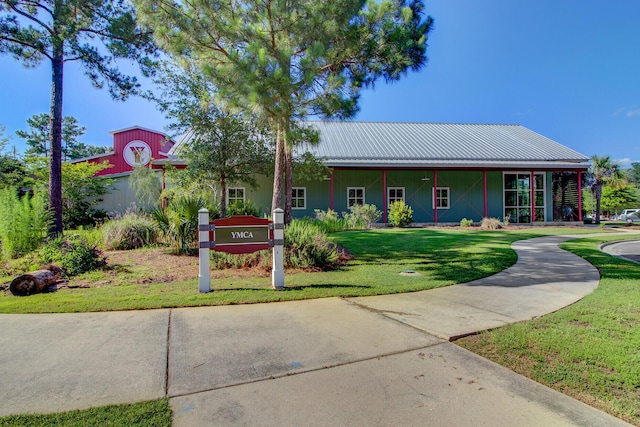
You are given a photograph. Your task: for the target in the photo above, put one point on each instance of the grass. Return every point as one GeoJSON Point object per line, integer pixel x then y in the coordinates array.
{"type": "Point", "coordinates": [441, 257]}
{"type": "Point", "coordinates": [589, 350]}
{"type": "Point", "coordinates": [156, 413]}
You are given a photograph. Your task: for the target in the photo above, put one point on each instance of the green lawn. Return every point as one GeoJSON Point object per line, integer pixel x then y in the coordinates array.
{"type": "Point", "coordinates": [156, 413]}
{"type": "Point", "coordinates": [441, 256]}
{"type": "Point", "coordinates": [589, 350]}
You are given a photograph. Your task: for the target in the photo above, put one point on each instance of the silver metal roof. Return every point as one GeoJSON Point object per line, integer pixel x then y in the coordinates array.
{"type": "Point", "coordinates": [387, 144]}
{"type": "Point", "coordinates": [431, 145]}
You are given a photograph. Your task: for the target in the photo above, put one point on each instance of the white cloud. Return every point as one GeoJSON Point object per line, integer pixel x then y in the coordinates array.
{"type": "Point", "coordinates": [628, 111]}
{"type": "Point", "coordinates": [632, 113]}
{"type": "Point", "coordinates": [626, 162]}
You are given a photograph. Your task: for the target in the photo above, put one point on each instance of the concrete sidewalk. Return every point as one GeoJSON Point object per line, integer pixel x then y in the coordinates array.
{"type": "Point", "coordinates": [363, 361]}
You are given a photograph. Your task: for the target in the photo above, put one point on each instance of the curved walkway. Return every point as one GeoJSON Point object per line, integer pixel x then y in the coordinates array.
{"type": "Point", "coordinates": [363, 361]}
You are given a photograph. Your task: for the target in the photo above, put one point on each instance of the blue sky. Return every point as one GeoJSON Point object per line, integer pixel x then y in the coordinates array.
{"type": "Point", "coordinates": [567, 69]}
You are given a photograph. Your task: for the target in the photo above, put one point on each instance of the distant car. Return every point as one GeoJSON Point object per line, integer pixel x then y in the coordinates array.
{"type": "Point", "coordinates": [634, 217]}
{"type": "Point", "coordinates": [623, 215]}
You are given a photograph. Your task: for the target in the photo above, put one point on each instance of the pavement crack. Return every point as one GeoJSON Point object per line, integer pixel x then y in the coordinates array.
{"type": "Point", "coordinates": [166, 368]}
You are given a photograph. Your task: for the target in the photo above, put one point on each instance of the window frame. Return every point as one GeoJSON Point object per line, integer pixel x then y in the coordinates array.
{"type": "Point", "coordinates": [356, 197]}
{"type": "Point", "coordinates": [295, 197]}
{"type": "Point", "coordinates": [235, 199]}
{"type": "Point", "coordinates": [435, 199]}
{"type": "Point", "coordinates": [395, 199]}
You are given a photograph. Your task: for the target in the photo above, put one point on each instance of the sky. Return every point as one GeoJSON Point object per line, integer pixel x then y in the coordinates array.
{"type": "Point", "coordinates": [566, 69]}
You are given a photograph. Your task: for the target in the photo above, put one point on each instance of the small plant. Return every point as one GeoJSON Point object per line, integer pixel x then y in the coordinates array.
{"type": "Point", "coordinates": [492, 224]}
{"type": "Point", "coordinates": [244, 208]}
{"type": "Point", "coordinates": [364, 215]}
{"type": "Point", "coordinates": [307, 246]}
{"type": "Point", "coordinates": [23, 222]}
{"type": "Point", "coordinates": [464, 222]}
{"type": "Point", "coordinates": [400, 214]}
{"type": "Point", "coordinates": [129, 232]}
{"type": "Point", "coordinates": [75, 255]}
{"type": "Point", "coordinates": [179, 223]}
{"type": "Point", "coordinates": [329, 221]}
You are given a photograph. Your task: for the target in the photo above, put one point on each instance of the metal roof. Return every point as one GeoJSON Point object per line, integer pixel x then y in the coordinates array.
{"type": "Point", "coordinates": [390, 144]}
{"type": "Point", "coordinates": [432, 145]}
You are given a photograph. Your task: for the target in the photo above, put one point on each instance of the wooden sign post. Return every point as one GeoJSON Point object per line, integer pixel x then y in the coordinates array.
{"type": "Point", "coordinates": [241, 234]}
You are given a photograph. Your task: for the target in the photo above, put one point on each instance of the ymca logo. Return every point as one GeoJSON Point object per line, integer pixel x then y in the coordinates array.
{"type": "Point", "coordinates": [137, 153]}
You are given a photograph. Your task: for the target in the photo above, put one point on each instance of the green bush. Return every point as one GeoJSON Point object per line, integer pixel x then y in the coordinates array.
{"type": "Point", "coordinates": [23, 222]}
{"type": "Point", "coordinates": [400, 214]}
{"type": "Point", "coordinates": [307, 246]}
{"type": "Point", "coordinates": [246, 208]}
{"type": "Point", "coordinates": [74, 254]}
{"type": "Point", "coordinates": [178, 224]}
{"type": "Point", "coordinates": [362, 215]}
{"type": "Point", "coordinates": [129, 232]}
{"type": "Point", "coordinates": [464, 222]}
{"type": "Point", "coordinates": [329, 221]}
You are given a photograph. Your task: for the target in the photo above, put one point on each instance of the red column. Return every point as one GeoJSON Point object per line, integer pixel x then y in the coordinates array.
{"type": "Point", "coordinates": [484, 178]}
{"type": "Point", "coordinates": [331, 190]}
{"type": "Point", "coordinates": [435, 196]}
{"type": "Point", "coordinates": [533, 198]}
{"type": "Point", "coordinates": [384, 196]}
{"type": "Point", "coordinates": [579, 196]}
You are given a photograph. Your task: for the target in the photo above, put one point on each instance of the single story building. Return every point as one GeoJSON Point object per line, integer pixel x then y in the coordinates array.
{"type": "Point", "coordinates": [445, 172]}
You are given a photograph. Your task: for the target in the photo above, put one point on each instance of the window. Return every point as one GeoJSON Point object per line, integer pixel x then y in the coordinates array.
{"type": "Point", "coordinates": [234, 195]}
{"type": "Point", "coordinates": [355, 196]}
{"type": "Point", "coordinates": [517, 197]}
{"type": "Point", "coordinates": [394, 194]}
{"type": "Point", "coordinates": [441, 198]}
{"type": "Point", "coordinates": [298, 198]}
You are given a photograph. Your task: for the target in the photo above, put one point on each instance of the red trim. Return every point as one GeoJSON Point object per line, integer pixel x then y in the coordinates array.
{"type": "Point", "coordinates": [239, 221]}
{"type": "Point", "coordinates": [579, 196]}
{"type": "Point", "coordinates": [533, 198]}
{"type": "Point", "coordinates": [241, 249]}
{"type": "Point", "coordinates": [435, 196]}
{"type": "Point", "coordinates": [384, 195]}
{"type": "Point", "coordinates": [331, 190]}
{"type": "Point", "coordinates": [484, 178]}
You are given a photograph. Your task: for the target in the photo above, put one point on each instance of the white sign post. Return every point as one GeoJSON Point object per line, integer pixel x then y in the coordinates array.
{"type": "Point", "coordinates": [238, 235]}
{"type": "Point", "coordinates": [204, 276]}
{"type": "Point", "coordinates": [277, 274]}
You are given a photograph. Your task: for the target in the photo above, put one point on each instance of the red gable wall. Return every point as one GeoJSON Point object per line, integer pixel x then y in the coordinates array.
{"type": "Point", "coordinates": [132, 145]}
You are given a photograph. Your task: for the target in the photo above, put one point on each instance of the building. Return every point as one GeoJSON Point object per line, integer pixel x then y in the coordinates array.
{"type": "Point", "coordinates": [445, 172]}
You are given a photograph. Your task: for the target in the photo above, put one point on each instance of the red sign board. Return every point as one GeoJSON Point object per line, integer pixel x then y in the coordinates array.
{"type": "Point", "coordinates": [241, 234]}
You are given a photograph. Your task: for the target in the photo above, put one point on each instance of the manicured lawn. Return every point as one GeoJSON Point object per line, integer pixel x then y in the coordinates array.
{"type": "Point", "coordinates": [589, 350]}
{"type": "Point", "coordinates": [441, 256]}
{"type": "Point", "coordinates": [156, 413]}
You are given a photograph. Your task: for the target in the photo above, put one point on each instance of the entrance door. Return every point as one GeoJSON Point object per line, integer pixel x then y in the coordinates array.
{"type": "Point", "coordinates": [517, 197]}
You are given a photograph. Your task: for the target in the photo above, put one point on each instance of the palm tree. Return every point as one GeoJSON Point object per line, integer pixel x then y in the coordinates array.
{"type": "Point", "coordinates": [603, 172]}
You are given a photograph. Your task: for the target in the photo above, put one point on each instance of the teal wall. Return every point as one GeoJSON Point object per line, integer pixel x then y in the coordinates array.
{"type": "Point", "coordinates": [465, 187]}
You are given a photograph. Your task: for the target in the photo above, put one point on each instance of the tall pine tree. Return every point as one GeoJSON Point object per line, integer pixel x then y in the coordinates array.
{"type": "Point", "coordinates": [287, 60]}
{"type": "Point", "coordinates": [93, 32]}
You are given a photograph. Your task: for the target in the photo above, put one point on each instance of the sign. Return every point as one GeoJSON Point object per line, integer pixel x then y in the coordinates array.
{"type": "Point", "coordinates": [137, 153]}
{"type": "Point", "coordinates": [241, 234]}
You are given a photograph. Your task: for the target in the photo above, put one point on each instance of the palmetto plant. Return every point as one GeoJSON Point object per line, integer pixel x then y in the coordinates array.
{"type": "Point", "coordinates": [179, 223]}
{"type": "Point", "coordinates": [603, 172]}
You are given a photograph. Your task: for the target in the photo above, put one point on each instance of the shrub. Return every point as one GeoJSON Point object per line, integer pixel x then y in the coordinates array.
{"type": "Point", "coordinates": [329, 221]}
{"type": "Point", "coordinates": [75, 255]}
{"type": "Point", "coordinates": [23, 222]}
{"type": "Point", "coordinates": [307, 246]}
{"type": "Point", "coordinates": [246, 208]}
{"type": "Point", "coordinates": [400, 214]}
{"type": "Point", "coordinates": [464, 222]}
{"type": "Point", "coordinates": [492, 224]}
{"type": "Point", "coordinates": [364, 215]}
{"type": "Point", "coordinates": [179, 223]}
{"type": "Point", "coordinates": [129, 232]}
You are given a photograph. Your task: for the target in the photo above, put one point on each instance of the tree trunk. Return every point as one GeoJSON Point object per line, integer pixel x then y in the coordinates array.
{"type": "Point", "coordinates": [278, 170]}
{"type": "Point", "coordinates": [55, 128]}
{"type": "Point", "coordinates": [35, 282]}
{"type": "Point", "coordinates": [288, 183]}
{"type": "Point", "coordinates": [598, 194]}
{"type": "Point", "coordinates": [223, 196]}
